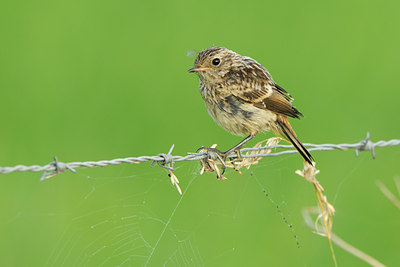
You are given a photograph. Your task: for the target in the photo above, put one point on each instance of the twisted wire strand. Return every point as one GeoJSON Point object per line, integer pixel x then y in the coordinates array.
{"type": "Point", "coordinates": [164, 160]}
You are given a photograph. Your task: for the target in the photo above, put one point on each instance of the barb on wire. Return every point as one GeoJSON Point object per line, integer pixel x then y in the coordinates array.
{"type": "Point", "coordinates": [168, 164]}
{"type": "Point", "coordinates": [59, 167]}
{"type": "Point", "coordinates": [167, 160]}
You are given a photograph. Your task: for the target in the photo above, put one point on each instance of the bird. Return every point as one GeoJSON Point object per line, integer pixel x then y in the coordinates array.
{"type": "Point", "coordinates": [242, 97]}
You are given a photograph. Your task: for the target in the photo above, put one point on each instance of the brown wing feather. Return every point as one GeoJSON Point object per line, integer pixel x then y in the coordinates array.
{"type": "Point", "coordinates": [255, 85]}
{"type": "Point", "coordinates": [268, 96]}
{"type": "Point", "coordinates": [283, 92]}
{"type": "Point", "coordinates": [278, 103]}
{"type": "Point", "coordinates": [253, 95]}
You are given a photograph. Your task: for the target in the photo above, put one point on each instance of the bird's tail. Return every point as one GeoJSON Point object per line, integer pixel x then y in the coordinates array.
{"type": "Point", "coordinates": [287, 130]}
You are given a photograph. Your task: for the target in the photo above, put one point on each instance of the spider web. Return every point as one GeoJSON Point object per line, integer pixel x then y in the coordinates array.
{"type": "Point", "coordinates": [131, 215]}
{"type": "Point", "coordinates": [147, 225]}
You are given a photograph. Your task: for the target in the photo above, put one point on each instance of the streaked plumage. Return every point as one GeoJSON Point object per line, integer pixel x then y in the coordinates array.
{"type": "Point", "coordinates": [241, 96]}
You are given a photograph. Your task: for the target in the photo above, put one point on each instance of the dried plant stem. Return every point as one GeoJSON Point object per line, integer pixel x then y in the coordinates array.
{"type": "Point", "coordinates": [327, 228]}
{"type": "Point", "coordinates": [337, 240]}
{"type": "Point", "coordinates": [388, 194]}
{"type": "Point", "coordinates": [356, 252]}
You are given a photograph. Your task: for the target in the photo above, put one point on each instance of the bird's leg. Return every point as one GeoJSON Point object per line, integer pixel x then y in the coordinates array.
{"type": "Point", "coordinates": [239, 146]}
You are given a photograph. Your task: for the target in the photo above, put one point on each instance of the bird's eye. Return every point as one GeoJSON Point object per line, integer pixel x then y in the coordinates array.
{"type": "Point", "coordinates": [216, 61]}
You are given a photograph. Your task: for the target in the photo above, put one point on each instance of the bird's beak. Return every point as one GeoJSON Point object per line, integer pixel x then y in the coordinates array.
{"type": "Point", "coordinates": [198, 68]}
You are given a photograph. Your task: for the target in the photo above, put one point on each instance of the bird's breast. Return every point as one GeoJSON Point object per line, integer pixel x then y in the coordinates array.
{"type": "Point", "coordinates": [233, 114]}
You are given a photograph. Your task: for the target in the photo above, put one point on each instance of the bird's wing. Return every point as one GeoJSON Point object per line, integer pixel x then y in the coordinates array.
{"type": "Point", "coordinates": [267, 95]}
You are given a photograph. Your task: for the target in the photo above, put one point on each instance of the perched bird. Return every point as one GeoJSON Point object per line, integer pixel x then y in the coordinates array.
{"type": "Point", "coordinates": [241, 96]}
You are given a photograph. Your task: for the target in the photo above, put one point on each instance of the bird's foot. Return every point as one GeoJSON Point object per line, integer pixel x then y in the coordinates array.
{"type": "Point", "coordinates": [215, 154]}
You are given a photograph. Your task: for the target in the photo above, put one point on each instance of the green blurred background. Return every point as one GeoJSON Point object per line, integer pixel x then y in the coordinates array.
{"type": "Point", "coordinates": [93, 80]}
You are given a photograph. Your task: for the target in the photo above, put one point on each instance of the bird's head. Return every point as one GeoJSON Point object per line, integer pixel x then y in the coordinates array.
{"type": "Point", "coordinates": [213, 64]}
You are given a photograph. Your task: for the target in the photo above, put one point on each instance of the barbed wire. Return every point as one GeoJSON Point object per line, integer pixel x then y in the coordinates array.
{"type": "Point", "coordinates": [166, 160]}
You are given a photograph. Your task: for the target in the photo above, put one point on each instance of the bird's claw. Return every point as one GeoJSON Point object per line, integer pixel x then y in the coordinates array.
{"type": "Point", "coordinates": [215, 154]}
